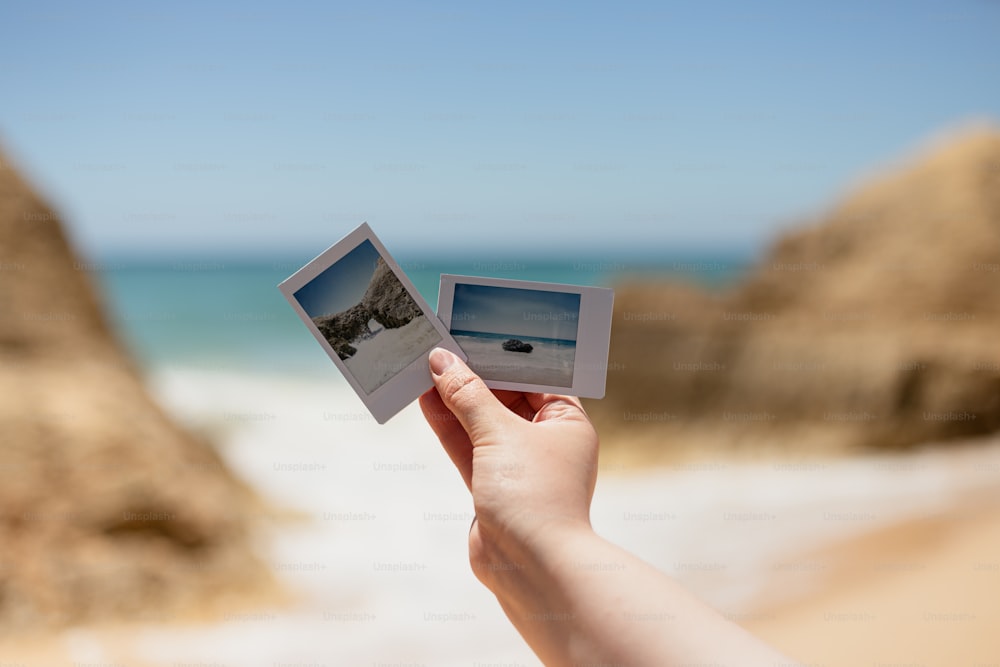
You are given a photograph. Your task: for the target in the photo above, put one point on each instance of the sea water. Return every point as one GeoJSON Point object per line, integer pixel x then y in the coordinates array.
{"type": "Point", "coordinates": [227, 313]}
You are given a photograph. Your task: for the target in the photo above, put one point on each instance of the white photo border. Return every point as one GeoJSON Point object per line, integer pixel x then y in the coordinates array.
{"type": "Point", "coordinates": [408, 383]}
{"type": "Point", "coordinates": [590, 364]}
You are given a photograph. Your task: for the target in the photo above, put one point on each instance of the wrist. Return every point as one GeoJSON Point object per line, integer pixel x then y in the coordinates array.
{"type": "Point", "coordinates": [512, 563]}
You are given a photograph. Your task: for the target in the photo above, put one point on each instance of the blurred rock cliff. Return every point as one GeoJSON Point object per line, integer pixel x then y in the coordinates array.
{"type": "Point", "coordinates": [107, 508]}
{"type": "Point", "coordinates": [877, 326]}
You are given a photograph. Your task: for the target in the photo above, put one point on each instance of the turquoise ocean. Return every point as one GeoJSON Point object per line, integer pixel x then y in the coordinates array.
{"type": "Point", "coordinates": [226, 314]}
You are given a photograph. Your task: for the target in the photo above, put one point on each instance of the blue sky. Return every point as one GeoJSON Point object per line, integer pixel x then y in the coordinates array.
{"type": "Point", "coordinates": [515, 129]}
{"type": "Point", "coordinates": [516, 312]}
{"type": "Point", "coordinates": [342, 284]}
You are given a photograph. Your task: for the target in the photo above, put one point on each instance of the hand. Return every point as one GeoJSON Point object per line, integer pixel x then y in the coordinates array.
{"type": "Point", "coordinates": [530, 461]}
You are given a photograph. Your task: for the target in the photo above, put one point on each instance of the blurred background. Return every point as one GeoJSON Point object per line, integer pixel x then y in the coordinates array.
{"type": "Point", "coordinates": [798, 207]}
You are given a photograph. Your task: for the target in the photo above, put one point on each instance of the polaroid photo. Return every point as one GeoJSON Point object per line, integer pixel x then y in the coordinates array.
{"type": "Point", "coordinates": [530, 336]}
{"type": "Point", "coordinates": [370, 320]}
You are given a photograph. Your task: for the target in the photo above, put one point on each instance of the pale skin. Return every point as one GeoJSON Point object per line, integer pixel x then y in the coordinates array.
{"type": "Point", "coordinates": [530, 462]}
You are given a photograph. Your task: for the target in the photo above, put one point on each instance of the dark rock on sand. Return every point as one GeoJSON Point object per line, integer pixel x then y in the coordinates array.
{"type": "Point", "coordinates": [385, 300]}
{"type": "Point", "coordinates": [874, 327]}
{"type": "Point", "coordinates": [515, 345]}
{"type": "Point", "coordinates": [107, 508]}
{"type": "Point", "coordinates": [344, 328]}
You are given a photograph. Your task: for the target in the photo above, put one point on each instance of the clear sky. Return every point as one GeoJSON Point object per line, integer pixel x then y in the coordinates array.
{"type": "Point", "coordinates": [516, 312]}
{"type": "Point", "coordinates": [457, 127]}
{"type": "Point", "coordinates": [342, 284]}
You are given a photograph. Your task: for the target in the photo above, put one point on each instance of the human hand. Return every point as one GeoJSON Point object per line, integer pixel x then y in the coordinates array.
{"type": "Point", "coordinates": [530, 461]}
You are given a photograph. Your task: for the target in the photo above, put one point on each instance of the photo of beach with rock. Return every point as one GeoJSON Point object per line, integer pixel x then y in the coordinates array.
{"type": "Point", "coordinates": [801, 422]}
{"type": "Point", "coordinates": [517, 335]}
{"type": "Point", "coordinates": [367, 316]}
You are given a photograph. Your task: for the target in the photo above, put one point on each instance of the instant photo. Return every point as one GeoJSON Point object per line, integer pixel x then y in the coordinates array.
{"type": "Point", "coordinates": [530, 336]}
{"type": "Point", "coordinates": [370, 320]}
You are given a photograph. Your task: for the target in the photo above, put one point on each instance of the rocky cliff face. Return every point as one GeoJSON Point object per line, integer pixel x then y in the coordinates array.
{"type": "Point", "coordinates": [875, 327]}
{"type": "Point", "coordinates": [344, 328]}
{"type": "Point", "coordinates": [106, 507]}
{"type": "Point", "coordinates": [385, 300]}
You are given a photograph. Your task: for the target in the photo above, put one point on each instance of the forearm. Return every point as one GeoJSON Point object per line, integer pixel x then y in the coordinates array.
{"type": "Point", "coordinates": [530, 461]}
{"type": "Point", "coordinates": [577, 599]}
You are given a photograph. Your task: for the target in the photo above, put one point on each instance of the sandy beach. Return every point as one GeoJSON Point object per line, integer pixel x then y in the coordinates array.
{"type": "Point", "coordinates": [383, 355]}
{"type": "Point", "coordinates": [922, 592]}
{"type": "Point", "coordinates": [875, 560]}
{"type": "Point", "coordinates": [548, 363]}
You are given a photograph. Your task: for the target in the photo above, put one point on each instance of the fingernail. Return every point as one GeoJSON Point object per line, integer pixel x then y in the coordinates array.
{"type": "Point", "coordinates": [440, 360]}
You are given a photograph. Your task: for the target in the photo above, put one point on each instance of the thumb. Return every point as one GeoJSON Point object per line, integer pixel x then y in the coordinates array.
{"type": "Point", "coordinates": [467, 396]}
